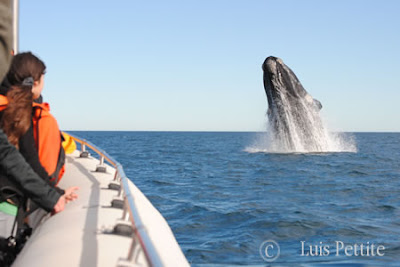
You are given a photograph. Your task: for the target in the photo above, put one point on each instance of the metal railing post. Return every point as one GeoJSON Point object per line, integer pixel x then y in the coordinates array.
{"type": "Point", "coordinates": [84, 153]}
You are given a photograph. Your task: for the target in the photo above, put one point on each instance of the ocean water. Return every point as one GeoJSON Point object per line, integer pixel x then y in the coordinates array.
{"type": "Point", "coordinates": [223, 200]}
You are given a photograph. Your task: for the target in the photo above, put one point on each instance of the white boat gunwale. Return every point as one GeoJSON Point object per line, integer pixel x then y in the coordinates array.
{"type": "Point", "coordinates": [129, 208]}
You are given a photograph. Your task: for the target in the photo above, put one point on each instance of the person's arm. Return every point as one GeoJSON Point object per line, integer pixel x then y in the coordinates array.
{"type": "Point", "coordinates": [15, 166]}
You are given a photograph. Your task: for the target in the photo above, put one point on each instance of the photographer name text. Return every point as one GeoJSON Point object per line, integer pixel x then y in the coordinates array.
{"type": "Point", "coordinates": [341, 249]}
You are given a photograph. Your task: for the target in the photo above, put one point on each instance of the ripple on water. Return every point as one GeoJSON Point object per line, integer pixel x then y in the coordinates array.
{"type": "Point", "coordinates": [222, 201]}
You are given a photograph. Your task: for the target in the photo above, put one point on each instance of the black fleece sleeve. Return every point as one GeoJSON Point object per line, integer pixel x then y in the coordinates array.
{"type": "Point", "coordinates": [19, 170]}
{"type": "Point", "coordinates": [28, 150]}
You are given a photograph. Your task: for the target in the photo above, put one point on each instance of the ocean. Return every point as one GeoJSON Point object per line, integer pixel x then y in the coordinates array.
{"type": "Point", "coordinates": [224, 200]}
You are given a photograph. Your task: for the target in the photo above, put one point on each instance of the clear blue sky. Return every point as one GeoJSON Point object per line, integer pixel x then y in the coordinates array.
{"type": "Point", "coordinates": [196, 65]}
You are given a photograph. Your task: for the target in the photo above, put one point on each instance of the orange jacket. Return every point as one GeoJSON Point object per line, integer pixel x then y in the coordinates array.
{"type": "Point", "coordinates": [47, 139]}
{"type": "Point", "coordinates": [3, 102]}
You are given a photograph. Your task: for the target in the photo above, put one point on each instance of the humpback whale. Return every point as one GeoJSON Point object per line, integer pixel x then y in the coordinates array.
{"type": "Point", "coordinates": [293, 114]}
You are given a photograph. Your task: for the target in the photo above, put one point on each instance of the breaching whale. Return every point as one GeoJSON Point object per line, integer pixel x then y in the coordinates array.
{"type": "Point", "coordinates": [293, 115]}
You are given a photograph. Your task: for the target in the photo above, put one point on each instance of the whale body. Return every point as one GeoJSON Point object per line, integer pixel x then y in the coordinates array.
{"type": "Point", "coordinates": [293, 114]}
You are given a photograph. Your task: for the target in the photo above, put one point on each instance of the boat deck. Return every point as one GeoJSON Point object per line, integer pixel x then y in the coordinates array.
{"type": "Point", "coordinates": [82, 235]}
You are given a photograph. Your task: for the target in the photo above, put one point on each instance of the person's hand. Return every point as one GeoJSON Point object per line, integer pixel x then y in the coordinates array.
{"type": "Point", "coordinates": [59, 205]}
{"type": "Point", "coordinates": [70, 194]}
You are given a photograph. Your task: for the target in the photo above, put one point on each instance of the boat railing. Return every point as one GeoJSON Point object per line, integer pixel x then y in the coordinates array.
{"type": "Point", "coordinates": [130, 223]}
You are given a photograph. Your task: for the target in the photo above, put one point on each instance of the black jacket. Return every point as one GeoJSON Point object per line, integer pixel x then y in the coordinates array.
{"type": "Point", "coordinates": [14, 170]}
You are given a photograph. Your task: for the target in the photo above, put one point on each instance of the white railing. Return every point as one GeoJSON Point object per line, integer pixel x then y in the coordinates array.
{"type": "Point", "coordinates": [141, 242]}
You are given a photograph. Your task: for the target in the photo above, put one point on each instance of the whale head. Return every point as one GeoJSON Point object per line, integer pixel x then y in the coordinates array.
{"type": "Point", "coordinates": [280, 83]}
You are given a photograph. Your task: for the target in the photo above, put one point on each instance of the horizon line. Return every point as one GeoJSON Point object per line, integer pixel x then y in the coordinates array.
{"type": "Point", "coordinates": [214, 131]}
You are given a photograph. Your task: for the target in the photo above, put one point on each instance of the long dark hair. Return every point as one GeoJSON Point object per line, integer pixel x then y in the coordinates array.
{"type": "Point", "coordinates": [17, 117]}
{"type": "Point", "coordinates": [25, 65]}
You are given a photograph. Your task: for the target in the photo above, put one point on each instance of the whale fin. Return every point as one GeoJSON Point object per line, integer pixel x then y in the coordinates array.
{"type": "Point", "coordinates": [313, 101]}
{"type": "Point", "coordinates": [317, 104]}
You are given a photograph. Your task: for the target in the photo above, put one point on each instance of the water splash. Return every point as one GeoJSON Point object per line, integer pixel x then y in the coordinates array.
{"type": "Point", "coordinates": [300, 129]}
{"type": "Point", "coordinates": [294, 122]}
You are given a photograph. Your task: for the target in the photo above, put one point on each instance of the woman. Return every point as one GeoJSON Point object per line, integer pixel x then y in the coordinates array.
{"type": "Point", "coordinates": [23, 84]}
{"type": "Point", "coordinates": [37, 134]}
{"type": "Point", "coordinates": [44, 126]}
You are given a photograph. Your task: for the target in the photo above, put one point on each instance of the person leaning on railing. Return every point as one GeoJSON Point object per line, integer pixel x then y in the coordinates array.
{"type": "Point", "coordinates": [41, 141]}
{"type": "Point", "coordinates": [13, 167]}
{"type": "Point", "coordinates": [37, 136]}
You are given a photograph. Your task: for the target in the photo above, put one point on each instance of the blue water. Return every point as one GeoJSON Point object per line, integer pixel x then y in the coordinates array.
{"type": "Point", "coordinates": [223, 202]}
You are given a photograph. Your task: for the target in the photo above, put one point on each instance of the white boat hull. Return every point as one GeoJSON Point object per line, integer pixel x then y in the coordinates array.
{"type": "Point", "coordinates": [82, 235]}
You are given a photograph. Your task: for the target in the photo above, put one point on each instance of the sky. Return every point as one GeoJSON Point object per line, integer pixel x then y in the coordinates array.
{"type": "Point", "coordinates": [196, 65]}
